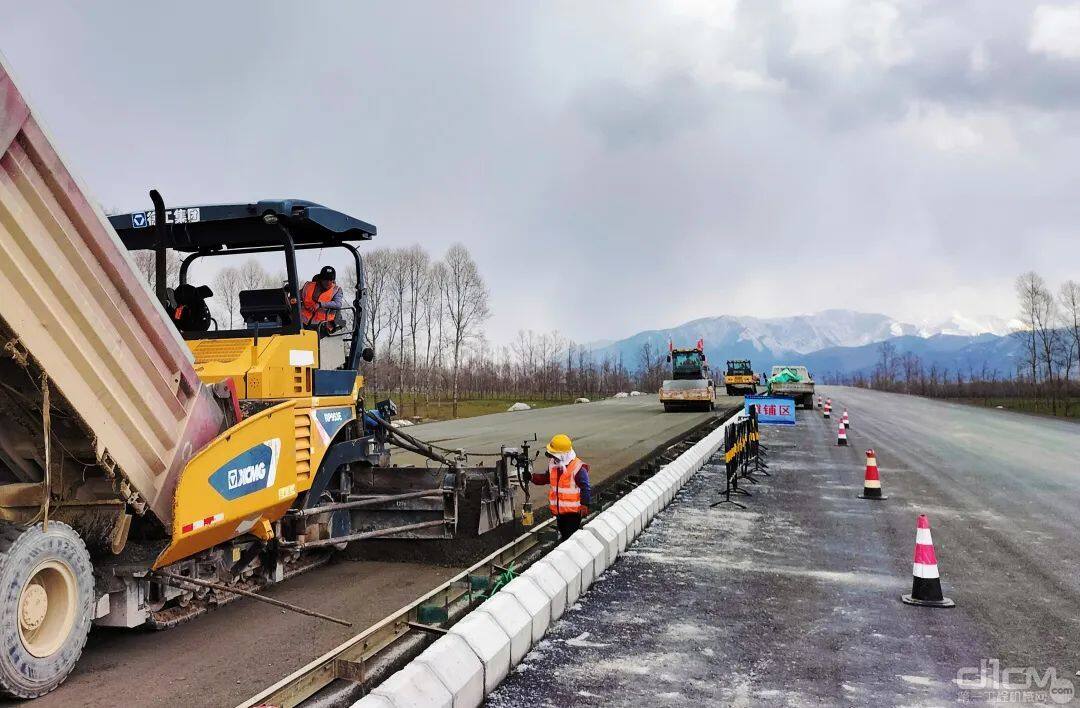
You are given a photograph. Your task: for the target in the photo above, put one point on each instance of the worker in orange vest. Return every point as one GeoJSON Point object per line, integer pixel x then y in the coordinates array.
{"type": "Point", "coordinates": [570, 492]}
{"type": "Point", "coordinates": [320, 299]}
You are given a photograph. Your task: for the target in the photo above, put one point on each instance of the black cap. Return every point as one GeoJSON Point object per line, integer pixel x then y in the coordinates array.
{"type": "Point", "coordinates": [328, 273]}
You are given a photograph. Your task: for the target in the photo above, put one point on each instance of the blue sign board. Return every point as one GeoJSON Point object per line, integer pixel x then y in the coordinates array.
{"type": "Point", "coordinates": [772, 410]}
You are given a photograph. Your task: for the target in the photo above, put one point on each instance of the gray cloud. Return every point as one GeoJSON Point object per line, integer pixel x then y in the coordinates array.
{"type": "Point", "coordinates": [625, 156]}
{"type": "Point", "coordinates": [626, 116]}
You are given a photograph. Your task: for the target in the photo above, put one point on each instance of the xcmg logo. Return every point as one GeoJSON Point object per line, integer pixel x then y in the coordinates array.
{"type": "Point", "coordinates": [246, 475]}
{"type": "Point", "coordinates": [251, 471]}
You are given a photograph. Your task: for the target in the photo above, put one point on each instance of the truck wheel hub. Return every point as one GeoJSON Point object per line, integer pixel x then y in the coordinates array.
{"type": "Point", "coordinates": [35, 602]}
{"type": "Point", "coordinates": [47, 608]}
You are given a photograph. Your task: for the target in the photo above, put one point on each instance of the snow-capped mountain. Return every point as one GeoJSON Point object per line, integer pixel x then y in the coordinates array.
{"type": "Point", "coordinates": [963, 326]}
{"type": "Point", "coordinates": [769, 341]}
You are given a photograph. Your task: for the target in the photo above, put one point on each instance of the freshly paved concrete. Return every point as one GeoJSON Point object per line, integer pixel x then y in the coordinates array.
{"type": "Point", "coordinates": [610, 435]}
{"type": "Point", "coordinates": [232, 653]}
{"type": "Point", "coordinates": [796, 600]}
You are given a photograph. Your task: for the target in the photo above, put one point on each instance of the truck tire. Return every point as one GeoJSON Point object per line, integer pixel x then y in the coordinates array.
{"type": "Point", "coordinates": [668, 407]}
{"type": "Point", "coordinates": [730, 391]}
{"type": "Point", "coordinates": [46, 606]}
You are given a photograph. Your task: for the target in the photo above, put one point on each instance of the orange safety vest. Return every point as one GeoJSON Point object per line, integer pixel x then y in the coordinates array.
{"type": "Point", "coordinates": [564, 495]}
{"type": "Point", "coordinates": [310, 311]}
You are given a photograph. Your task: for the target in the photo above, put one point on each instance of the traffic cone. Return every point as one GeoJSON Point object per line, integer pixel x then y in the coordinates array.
{"type": "Point", "coordinates": [847, 423]}
{"type": "Point", "coordinates": [841, 435]}
{"type": "Point", "coordinates": [827, 412]}
{"type": "Point", "coordinates": [819, 401]}
{"type": "Point", "coordinates": [871, 488]}
{"type": "Point", "coordinates": [828, 401]}
{"type": "Point", "coordinates": [926, 583]}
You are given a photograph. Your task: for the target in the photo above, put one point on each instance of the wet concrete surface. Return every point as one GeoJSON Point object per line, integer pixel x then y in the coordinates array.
{"type": "Point", "coordinates": [796, 600]}
{"type": "Point", "coordinates": [610, 435]}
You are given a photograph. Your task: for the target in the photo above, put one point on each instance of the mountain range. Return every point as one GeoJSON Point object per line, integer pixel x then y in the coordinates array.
{"type": "Point", "coordinates": [831, 341]}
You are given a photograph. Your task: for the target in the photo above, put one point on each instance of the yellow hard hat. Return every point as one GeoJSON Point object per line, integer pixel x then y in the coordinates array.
{"type": "Point", "coordinates": [560, 444]}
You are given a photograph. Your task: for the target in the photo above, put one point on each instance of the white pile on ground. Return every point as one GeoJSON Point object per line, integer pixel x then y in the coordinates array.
{"type": "Point", "coordinates": [636, 393]}
{"type": "Point", "coordinates": [519, 406]}
{"type": "Point", "coordinates": [582, 400]}
{"type": "Point", "coordinates": [400, 423]}
{"type": "Point", "coordinates": [621, 394]}
{"type": "Point", "coordinates": [465, 665]}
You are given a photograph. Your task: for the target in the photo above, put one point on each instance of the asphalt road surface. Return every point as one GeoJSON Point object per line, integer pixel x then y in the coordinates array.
{"type": "Point", "coordinates": [223, 657]}
{"type": "Point", "coordinates": [796, 599]}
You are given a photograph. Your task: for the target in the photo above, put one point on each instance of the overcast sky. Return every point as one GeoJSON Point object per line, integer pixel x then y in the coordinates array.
{"type": "Point", "coordinates": [612, 166]}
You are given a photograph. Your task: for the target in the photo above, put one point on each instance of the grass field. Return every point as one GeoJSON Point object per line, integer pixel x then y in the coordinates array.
{"type": "Point", "coordinates": [1028, 405]}
{"type": "Point", "coordinates": [441, 410]}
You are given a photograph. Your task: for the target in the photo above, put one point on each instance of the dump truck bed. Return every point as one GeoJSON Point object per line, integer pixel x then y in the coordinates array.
{"type": "Point", "coordinates": [801, 390]}
{"type": "Point", "coordinates": [74, 303]}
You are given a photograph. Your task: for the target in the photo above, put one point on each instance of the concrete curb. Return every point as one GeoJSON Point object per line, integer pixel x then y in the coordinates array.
{"type": "Point", "coordinates": [461, 668]}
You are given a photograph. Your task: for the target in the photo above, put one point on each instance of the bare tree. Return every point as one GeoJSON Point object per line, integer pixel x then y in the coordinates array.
{"type": "Point", "coordinates": [652, 368]}
{"type": "Point", "coordinates": [1039, 316]}
{"type": "Point", "coordinates": [885, 370]}
{"type": "Point", "coordinates": [1030, 290]}
{"type": "Point", "coordinates": [415, 266]}
{"type": "Point", "coordinates": [144, 261]}
{"type": "Point", "coordinates": [466, 306]}
{"type": "Point", "coordinates": [1069, 299]}
{"type": "Point", "coordinates": [376, 268]}
{"type": "Point", "coordinates": [253, 276]}
{"type": "Point", "coordinates": [227, 294]}
{"type": "Point", "coordinates": [433, 317]}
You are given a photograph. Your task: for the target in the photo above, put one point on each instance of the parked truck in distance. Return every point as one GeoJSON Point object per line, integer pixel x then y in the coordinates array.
{"type": "Point", "coordinates": [689, 387]}
{"type": "Point", "coordinates": [739, 378]}
{"type": "Point", "coordinates": [793, 382]}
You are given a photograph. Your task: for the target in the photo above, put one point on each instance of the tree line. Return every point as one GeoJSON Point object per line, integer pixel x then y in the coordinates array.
{"type": "Point", "coordinates": [425, 322]}
{"type": "Point", "coordinates": [1046, 372]}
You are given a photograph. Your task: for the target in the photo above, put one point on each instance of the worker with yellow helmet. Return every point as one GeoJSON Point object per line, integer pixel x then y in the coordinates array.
{"type": "Point", "coordinates": [570, 492]}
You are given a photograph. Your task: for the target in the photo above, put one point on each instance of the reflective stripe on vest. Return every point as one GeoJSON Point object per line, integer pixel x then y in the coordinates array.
{"type": "Point", "coordinates": [564, 496]}
{"type": "Point", "coordinates": [309, 309]}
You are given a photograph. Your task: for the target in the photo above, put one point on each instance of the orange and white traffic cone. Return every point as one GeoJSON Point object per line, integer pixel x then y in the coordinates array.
{"type": "Point", "coordinates": [829, 402]}
{"type": "Point", "coordinates": [841, 435]}
{"type": "Point", "coordinates": [827, 411]}
{"type": "Point", "coordinates": [819, 401]}
{"type": "Point", "coordinates": [926, 583]}
{"type": "Point", "coordinates": [847, 423]}
{"type": "Point", "coordinates": [872, 483]}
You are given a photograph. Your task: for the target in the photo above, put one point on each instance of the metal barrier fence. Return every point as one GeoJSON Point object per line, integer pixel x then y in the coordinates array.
{"type": "Point", "coordinates": [744, 457]}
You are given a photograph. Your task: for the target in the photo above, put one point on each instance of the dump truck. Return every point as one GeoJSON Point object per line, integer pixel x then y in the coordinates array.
{"type": "Point", "coordinates": [151, 460]}
{"type": "Point", "coordinates": [792, 382]}
{"type": "Point", "coordinates": [689, 387]}
{"type": "Point", "coordinates": [739, 378]}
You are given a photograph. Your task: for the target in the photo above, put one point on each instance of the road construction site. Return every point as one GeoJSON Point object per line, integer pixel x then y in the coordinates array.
{"type": "Point", "coordinates": [155, 467]}
{"type": "Point", "coordinates": [611, 435]}
{"type": "Point", "coordinates": [796, 599]}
